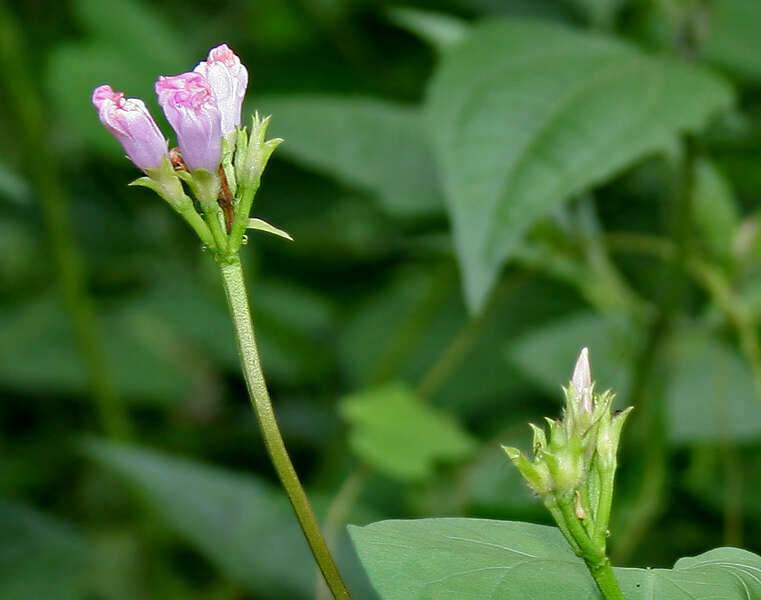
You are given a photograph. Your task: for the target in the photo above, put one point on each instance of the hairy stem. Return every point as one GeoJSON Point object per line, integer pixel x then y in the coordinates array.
{"type": "Point", "coordinates": [594, 555]}
{"type": "Point", "coordinates": [235, 289]}
{"type": "Point", "coordinates": [606, 580]}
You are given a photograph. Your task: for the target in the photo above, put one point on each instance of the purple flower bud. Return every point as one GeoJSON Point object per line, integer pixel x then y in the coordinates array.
{"type": "Point", "coordinates": [131, 123]}
{"type": "Point", "coordinates": [193, 113]}
{"type": "Point", "coordinates": [228, 79]}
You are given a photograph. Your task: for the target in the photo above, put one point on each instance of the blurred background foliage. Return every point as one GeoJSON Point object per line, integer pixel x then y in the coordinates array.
{"type": "Point", "coordinates": [477, 188]}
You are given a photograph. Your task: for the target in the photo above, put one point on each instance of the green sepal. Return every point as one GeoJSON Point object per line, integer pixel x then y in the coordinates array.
{"type": "Point", "coordinates": [205, 187]}
{"type": "Point", "coordinates": [608, 437]}
{"type": "Point", "coordinates": [540, 439]}
{"type": "Point", "coordinates": [558, 437]}
{"type": "Point", "coordinates": [165, 182]}
{"type": "Point", "coordinates": [535, 473]}
{"type": "Point", "coordinates": [258, 151]}
{"type": "Point", "coordinates": [251, 158]}
{"type": "Point", "coordinates": [241, 147]}
{"type": "Point", "coordinates": [229, 144]}
{"type": "Point", "coordinates": [262, 225]}
{"type": "Point", "coordinates": [566, 465]}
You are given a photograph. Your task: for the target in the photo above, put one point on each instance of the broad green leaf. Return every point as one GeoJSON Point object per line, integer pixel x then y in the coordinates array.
{"type": "Point", "coordinates": [714, 209]}
{"type": "Point", "coordinates": [245, 526]}
{"type": "Point", "coordinates": [440, 30]}
{"type": "Point", "coordinates": [733, 40]}
{"type": "Point", "coordinates": [474, 559]}
{"type": "Point", "coordinates": [40, 557]}
{"type": "Point", "coordinates": [374, 145]}
{"type": "Point", "coordinates": [547, 353]}
{"type": "Point", "coordinates": [518, 127]}
{"type": "Point", "coordinates": [710, 394]}
{"type": "Point", "coordinates": [399, 436]}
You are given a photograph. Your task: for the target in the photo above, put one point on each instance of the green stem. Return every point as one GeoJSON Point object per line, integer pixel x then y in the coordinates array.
{"type": "Point", "coordinates": [605, 502]}
{"type": "Point", "coordinates": [589, 552]}
{"type": "Point", "coordinates": [242, 211]}
{"type": "Point", "coordinates": [557, 514]}
{"type": "Point", "coordinates": [235, 289]}
{"type": "Point", "coordinates": [191, 216]}
{"type": "Point", "coordinates": [606, 580]}
{"type": "Point", "coordinates": [594, 555]}
{"type": "Point", "coordinates": [25, 100]}
{"type": "Point", "coordinates": [338, 513]}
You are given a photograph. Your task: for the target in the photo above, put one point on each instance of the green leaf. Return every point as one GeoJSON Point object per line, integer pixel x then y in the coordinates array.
{"type": "Point", "coordinates": [710, 394]}
{"type": "Point", "coordinates": [374, 145]}
{"type": "Point", "coordinates": [519, 127]}
{"type": "Point", "coordinates": [245, 526]}
{"type": "Point", "coordinates": [474, 559]}
{"type": "Point", "coordinates": [733, 40]}
{"type": "Point", "coordinates": [440, 30]}
{"type": "Point", "coordinates": [399, 436]}
{"type": "Point", "coordinates": [714, 209]}
{"type": "Point", "coordinates": [40, 557]}
{"type": "Point", "coordinates": [547, 353]}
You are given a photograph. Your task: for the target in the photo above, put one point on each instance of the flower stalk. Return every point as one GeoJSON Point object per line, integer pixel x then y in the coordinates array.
{"type": "Point", "coordinates": [221, 165]}
{"type": "Point", "coordinates": [573, 471]}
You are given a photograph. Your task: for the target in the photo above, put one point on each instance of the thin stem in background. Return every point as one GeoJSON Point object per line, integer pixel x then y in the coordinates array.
{"type": "Point", "coordinates": [41, 165]}
{"type": "Point", "coordinates": [649, 421]}
{"type": "Point", "coordinates": [235, 290]}
{"type": "Point", "coordinates": [431, 382]}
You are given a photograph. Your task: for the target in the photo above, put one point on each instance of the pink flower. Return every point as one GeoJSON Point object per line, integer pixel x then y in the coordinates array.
{"type": "Point", "coordinates": [131, 123]}
{"type": "Point", "coordinates": [228, 79]}
{"type": "Point", "coordinates": [192, 111]}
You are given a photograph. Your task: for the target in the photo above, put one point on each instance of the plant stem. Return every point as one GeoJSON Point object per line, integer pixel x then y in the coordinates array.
{"type": "Point", "coordinates": [606, 581]}
{"type": "Point", "coordinates": [338, 512]}
{"type": "Point", "coordinates": [235, 289]}
{"type": "Point", "coordinates": [603, 508]}
{"type": "Point", "coordinates": [593, 554]}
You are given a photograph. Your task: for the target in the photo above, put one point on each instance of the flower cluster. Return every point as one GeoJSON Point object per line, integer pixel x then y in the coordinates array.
{"type": "Point", "coordinates": [215, 157]}
{"type": "Point", "coordinates": [573, 467]}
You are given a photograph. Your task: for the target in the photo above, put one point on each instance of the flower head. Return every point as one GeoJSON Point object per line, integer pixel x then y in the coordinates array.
{"type": "Point", "coordinates": [131, 123]}
{"type": "Point", "coordinates": [228, 79]}
{"type": "Point", "coordinates": [192, 111]}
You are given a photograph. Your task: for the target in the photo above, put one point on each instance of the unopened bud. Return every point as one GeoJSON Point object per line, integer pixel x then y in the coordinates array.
{"type": "Point", "coordinates": [582, 382]}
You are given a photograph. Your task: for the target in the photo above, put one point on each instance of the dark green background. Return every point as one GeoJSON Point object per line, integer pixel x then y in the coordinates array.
{"type": "Point", "coordinates": [369, 293]}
